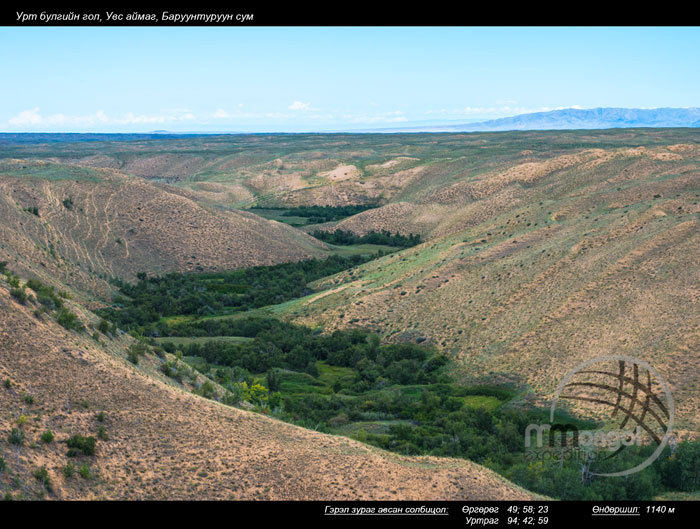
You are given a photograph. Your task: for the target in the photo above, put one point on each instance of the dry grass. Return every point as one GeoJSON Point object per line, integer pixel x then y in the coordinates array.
{"type": "Point", "coordinates": [119, 226]}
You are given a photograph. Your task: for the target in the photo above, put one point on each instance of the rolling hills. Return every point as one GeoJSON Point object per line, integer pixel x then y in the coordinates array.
{"type": "Point", "coordinates": [542, 250]}
{"type": "Point", "coordinates": [84, 226]}
{"type": "Point", "coordinates": [530, 270]}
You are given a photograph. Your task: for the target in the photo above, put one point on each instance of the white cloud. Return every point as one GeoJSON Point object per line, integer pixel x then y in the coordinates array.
{"type": "Point", "coordinates": [130, 118]}
{"type": "Point", "coordinates": [169, 117]}
{"type": "Point", "coordinates": [27, 117]}
{"type": "Point", "coordinates": [32, 118]}
{"type": "Point", "coordinates": [298, 105]}
{"type": "Point", "coordinates": [220, 113]}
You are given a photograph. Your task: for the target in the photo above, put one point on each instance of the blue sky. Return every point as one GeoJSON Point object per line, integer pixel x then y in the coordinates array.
{"type": "Point", "coordinates": [123, 79]}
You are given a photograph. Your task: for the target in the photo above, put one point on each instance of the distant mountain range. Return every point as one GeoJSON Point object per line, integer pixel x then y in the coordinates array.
{"type": "Point", "coordinates": [573, 118]}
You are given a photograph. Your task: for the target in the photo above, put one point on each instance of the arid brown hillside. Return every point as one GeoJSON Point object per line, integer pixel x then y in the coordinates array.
{"type": "Point", "coordinates": [543, 249]}
{"type": "Point", "coordinates": [340, 169]}
{"type": "Point", "coordinates": [531, 269]}
{"type": "Point", "coordinates": [165, 443]}
{"type": "Point", "coordinates": [82, 226]}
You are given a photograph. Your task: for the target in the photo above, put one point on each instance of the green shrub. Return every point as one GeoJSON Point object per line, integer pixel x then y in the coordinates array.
{"type": "Point", "coordinates": [681, 471]}
{"type": "Point", "coordinates": [135, 351]}
{"type": "Point", "coordinates": [68, 320]}
{"type": "Point", "coordinates": [101, 417]}
{"type": "Point", "coordinates": [142, 305]}
{"type": "Point", "coordinates": [273, 380]}
{"type": "Point", "coordinates": [36, 285]}
{"type": "Point", "coordinates": [47, 436]}
{"type": "Point", "coordinates": [170, 370]}
{"type": "Point", "coordinates": [12, 280]}
{"type": "Point", "coordinates": [69, 470]}
{"type": "Point", "coordinates": [7, 383]}
{"type": "Point", "coordinates": [258, 394]}
{"type": "Point", "coordinates": [29, 399]}
{"type": "Point", "coordinates": [3, 465]}
{"type": "Point", "coordinates": [342, 237]}
{"type": "Point", "coordinates": [16, 437]}
{"type": "Point", "coordinates": [19, 294]}
{"type": "Point", "coordinates": [45, 294]}
{"type": "Point", "coordinates": [32, 209]}
{"type": "Point", "coordinates": [79, 444]}
{"type": "Point", "coordinates": [239, 392]}
{"type": "Point", "coordinates": [102, 433]}
{"type": "Point", "coordinates": [85, 471]}
{"type": "Point", "coordinates": [42, 475]}
{"type": "Point", "coordinates": [207, 390]}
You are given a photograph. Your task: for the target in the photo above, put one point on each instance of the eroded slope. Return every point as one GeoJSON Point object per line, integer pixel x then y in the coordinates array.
{"type": "Point", "coordinates": [83, 226]}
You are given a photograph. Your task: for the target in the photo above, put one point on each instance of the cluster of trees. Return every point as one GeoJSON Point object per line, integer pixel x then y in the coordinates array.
{"type": "Point", "coordinates": [404, 385]}
{"type": "Point", "coordinates": [49, 300]}
{"type": "Point", "coordinates": [276, 344]}
{"type": "Point", "coordinates": [45, 294]}
{"type": "Point", "coordinates": [346, 238]}
{"type": "Point", "coordinates": [675, 470]}
{"type": "Point", "coordinates": [401, 387]}
{"type": "Point", "coordinates": [319, 214]}
{"type": "Point", "coordinates": [142, 304]}
{"type": "Point", "coordinates": [245, 327]}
